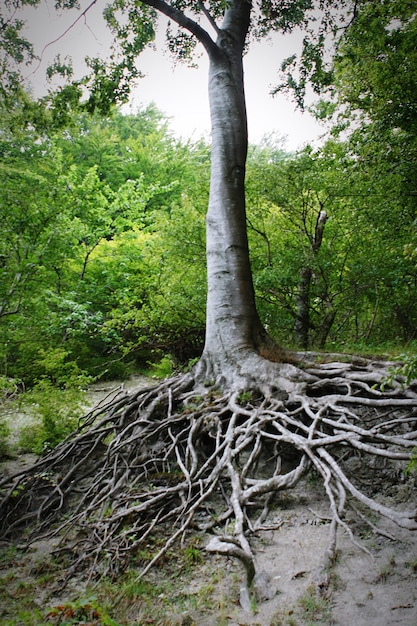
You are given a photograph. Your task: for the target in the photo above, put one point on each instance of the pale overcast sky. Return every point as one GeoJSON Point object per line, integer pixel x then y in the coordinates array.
{"type": "Point", "coordinates": [180, 92]}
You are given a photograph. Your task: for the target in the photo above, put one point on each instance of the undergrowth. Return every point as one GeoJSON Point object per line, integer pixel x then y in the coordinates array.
{"type": "Point", "coordinates": [175, 595]}
{"type": "Point", "coordinates": [311, 609]}
{"type": "Point", "coordinates": [56, 413]}
{"type": "Point", "coordinates": [4, 439]}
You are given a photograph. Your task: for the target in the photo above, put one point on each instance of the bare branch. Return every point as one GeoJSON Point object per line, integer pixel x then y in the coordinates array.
{"type": "Point", "coordinates": [66, 31]}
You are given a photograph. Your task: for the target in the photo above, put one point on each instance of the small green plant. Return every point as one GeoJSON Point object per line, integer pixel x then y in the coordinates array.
{"type": "Point", "coordinates": [163, 368]}
{"type": "Point", "coordinates": [4, 439]}
{"type": "Point", "coordinates": [413, 565]}
{"type": "Point", "coordinates": [408, 367]}
{"type": "Point", "coordinates": [386, 570]}
{"type": "Point", "coordinates": [191, 364]}
{"type": "Point", "coordinates": [192, 555]}
{"type": "Point", "coordinates": [79, 612]}
{"type": "Point", "coordinates": [244, 397]}
{"type": "Point", "coordinates": [313, 607]}
{"type": "Point", "coordinates": [406, 371]}
{"type": "Point", "coordinates": [284, 618]}
{"type": "Point", "coordinates": [9, 387]}
{"type": "Point", "coordinates": [412, 466]}
{"type": "Point", "coordinates": [383, 574]}
{"type": "Point", "coordinates": [135, 588]}
{"type": "Point", "coordinates": [8, 555]}
{"type": "Point", "coordinates": [57, 412]}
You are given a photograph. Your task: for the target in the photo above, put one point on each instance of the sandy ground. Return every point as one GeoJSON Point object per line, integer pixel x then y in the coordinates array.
{"type": "Point", "coordinates": [376, 589]}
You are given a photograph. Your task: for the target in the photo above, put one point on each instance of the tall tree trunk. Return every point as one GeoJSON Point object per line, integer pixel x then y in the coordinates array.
{"type": "Point", "coordinates": [235, 338]}
{"type": "Point", "coordinates": [233, 326]}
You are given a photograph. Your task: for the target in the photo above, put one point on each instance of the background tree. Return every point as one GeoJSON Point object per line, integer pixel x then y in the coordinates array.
{"type": "Point", "coordinates": [303, 202]}
{"type": "Point", "coordinates": [375, 71]}
{"type": "Point", "coordinates": [80, 252]}
{"type": "Point", "coordinates": [361, 282]}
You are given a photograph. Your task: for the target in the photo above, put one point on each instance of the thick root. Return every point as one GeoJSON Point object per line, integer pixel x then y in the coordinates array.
{"type": "Point", "coordinates": [180, 457]}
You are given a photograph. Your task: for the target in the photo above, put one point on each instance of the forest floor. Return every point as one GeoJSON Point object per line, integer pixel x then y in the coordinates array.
{"type": "Point", "coordinates": [191, 586]}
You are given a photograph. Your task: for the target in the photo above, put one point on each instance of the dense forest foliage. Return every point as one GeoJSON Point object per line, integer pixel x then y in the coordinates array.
{"type": "Point", "coordinates": [102, 253]}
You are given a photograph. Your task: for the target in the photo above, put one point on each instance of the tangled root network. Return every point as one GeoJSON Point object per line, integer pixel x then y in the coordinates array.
{"type": "Point", "coordinates": [181, 457]}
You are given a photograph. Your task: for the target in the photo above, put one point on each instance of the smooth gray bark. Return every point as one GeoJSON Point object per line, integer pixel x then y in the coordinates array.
{"type": "Point", "coordinates": [231, 312]}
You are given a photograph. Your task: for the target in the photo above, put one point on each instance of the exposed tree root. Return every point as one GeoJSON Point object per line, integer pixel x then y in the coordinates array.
{"type": "Point", "coordinates": [181, 456]}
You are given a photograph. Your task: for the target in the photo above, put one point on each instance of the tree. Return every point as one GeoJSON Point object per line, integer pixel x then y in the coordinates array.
{"type": "Point", "coordinates": [301, 191]}
{"type": "Point", "coordinates": [95, 268]}
{"type": "Point", "coordinates": [28, 214]}
{"type": "Point", "coordinates": [374, 80]}
{"type": "Point", "coordinates": [371, 99]}
{"type": "Point", "coordinates": [215, 425]}
{"type": "Point", "coordinates": [378, 47]}
{"type": "Point", "coordinates": [360, 283]}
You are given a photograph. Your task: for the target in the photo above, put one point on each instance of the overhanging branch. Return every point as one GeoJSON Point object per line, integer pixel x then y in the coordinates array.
{"type": "Point", "coordinates": [182, 20]}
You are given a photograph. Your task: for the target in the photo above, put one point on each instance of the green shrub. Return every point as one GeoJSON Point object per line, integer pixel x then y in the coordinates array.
{"type": "Point", "coordinates": [8, 387]}
{"type": "Point", "coordinates": [4, 439]}
{"type": "Point", "coordinates": [58, 412]}
{"type": "Point", "coordinates": [412, 466]}
{"type": "Point", "coordinates": [408, 367]}
{"type": "Point", "coordinates": [163, 368]}
{"type": "Point", "coordinates": [81, 611]}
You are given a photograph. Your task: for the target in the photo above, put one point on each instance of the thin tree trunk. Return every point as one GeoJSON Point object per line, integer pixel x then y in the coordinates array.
{"type": "Point", "coordinates": [326, 326]}
{"type": "Point", "coordinates": [302, 302]}
{"type": "Point", "coordinates": [302, 323]}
